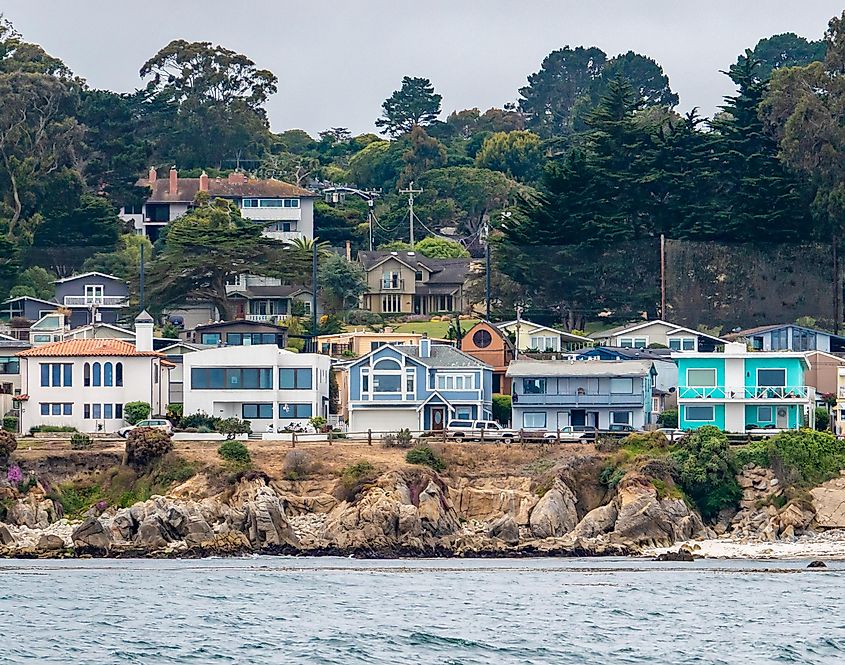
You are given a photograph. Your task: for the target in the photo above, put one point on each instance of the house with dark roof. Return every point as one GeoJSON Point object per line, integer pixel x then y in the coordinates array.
{"type": "Point", "coordinates": [418, 387]}
{"type": "Point", "coordinates": [241, 332]}
{"type": "Point", "coordinates": [285, 210]}
{"type": "Point", "coordinates": [92, 297]}
{"type": "Point", "coordinates": [789, 337]}
{"type": "Point", "coordinates": [26, 307]}
{"type": "Point", "coordinates": [409, 283]}
{"type": "Point", "coordinates": [266, 299]}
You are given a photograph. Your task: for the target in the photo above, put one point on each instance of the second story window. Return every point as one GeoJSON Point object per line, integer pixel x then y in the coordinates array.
{"type": "Point", "coordinates": [298, 378]}
{"type": "Point", "coordinates": [534, 386]}
{"type": "Point", "coordinates": [390, 280]}
{"type": "Point", "coordinates": [93, 294]}
{"type": "Point", "coordinates": [620, 386]}
{"type": "Point", "coordinates": [56, 375]}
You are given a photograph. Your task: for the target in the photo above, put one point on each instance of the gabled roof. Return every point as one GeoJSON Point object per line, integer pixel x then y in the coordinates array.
{"type": "Point", "coordinates": [587, 368]}
{"type": "Point", "coordinates": [188, 345]}
{"type": "Point", "coordinates": [87, 347]}
{"type": "Point", "coordinates": [88, 274]}
{"type": "Point", "coordinates": [46, 302]}
{"type": "Point", "coordinates": [283, 291]}
{"type": "Point", "coordinates": [629, 354]}
{"type": "Point", "coordinates": [241, 322]}
{"type": "Point", "coordinates": [129, 334]}
{"type": "Point", "coordinates": [536, 326]}
{"type": "Point", "coordinates": [631, 327]}
{"type": "Point", "coordinates": [442, 271]}
{"type": "Point", "coordinates": [442, 356]}
{"type": "Point", "coordinates": [188, 188]}
{"type": "Point", "coordinates": [758, 330]}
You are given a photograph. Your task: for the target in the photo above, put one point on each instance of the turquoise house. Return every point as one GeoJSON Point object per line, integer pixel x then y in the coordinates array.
{"type": "Point", "coordinates": [739, 390]}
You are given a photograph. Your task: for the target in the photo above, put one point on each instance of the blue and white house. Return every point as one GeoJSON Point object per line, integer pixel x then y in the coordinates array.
{"type": "Point", "coordinates": [418, 387]}
{"type": "Point", "coordinates": [552, 394]}
{"type": "Point", "coordinates": [738, 390]}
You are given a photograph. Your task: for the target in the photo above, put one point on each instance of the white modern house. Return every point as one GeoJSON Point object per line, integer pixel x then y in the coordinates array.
{"type": "Point", "coordinates": [285, 210]}
{"type": "Point", "coordinates": [268, 386]}
{"type": "Point", "coordinates": [85, 383]}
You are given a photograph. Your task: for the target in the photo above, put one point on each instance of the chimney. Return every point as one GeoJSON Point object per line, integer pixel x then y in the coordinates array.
{"type": "Point", "coordinates": [425, 346]}
{"type": "Point", "coordinates": [237, 178]}
{"type": "Point", "coordinates": [349, 250]}
{"type": "Point", "coordinates": [153, 175]}
{"type": "Point", "coordinates": [174, 180]}
{"type": "Point", "coordinates": [144, 332]}
{"type": "Point", "coordinates": [203, 182]}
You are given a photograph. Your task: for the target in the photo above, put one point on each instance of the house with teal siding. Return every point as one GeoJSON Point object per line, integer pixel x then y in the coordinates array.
{"type": "Point", "coordinates": [738, 390]}
{"type": "Point", "coordinates": [418, 387]}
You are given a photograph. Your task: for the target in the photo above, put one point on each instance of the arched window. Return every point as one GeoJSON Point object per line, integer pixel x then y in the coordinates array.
{"type": "Point", "coordinates": [118, 374]}
{"type": "Point", "coordinates": [108, 374]}
{"type": "Point", "coordinates": [387, 376]}
{"type": "Point", "coordinates": [86, 378]}
{"type": "Point", "coordinates": [96, 375]}
{"type": "Point", "coordinates": [387, 364]}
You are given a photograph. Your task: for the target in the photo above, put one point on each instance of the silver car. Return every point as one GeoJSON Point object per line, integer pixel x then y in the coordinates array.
{"type": "Point", "coordinates": [154, 423]}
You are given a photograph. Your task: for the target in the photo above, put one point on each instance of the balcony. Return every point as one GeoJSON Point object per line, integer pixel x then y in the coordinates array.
{"type": "Point", "coordinates": [284, 236]}
{"type": "Point", "coordinates": [392, 284]}
{"type": "Point", "coordinates": [266, 318]}
{"type": "Point", "coordinates": [749, 393]}
{"type": "Point", "coordinates": [94, 301]}
{"type": "Point", "coordinates": [605, 399]}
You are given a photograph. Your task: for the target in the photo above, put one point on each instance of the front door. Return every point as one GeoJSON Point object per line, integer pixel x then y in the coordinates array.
{"type": "Point", "coordinates": [578, 417]}
{"type": "Point", "coordinates": [782, 417]}
{"type": "Point", "coordinates": [438, 416]}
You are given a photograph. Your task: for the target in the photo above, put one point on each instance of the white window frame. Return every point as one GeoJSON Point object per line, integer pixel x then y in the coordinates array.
{"type": "Point", "coordinates": [628, 418]}
{"type": "Point", "coordinates": [463, 413]}
{"type": "Point", "coordinates": [91, 291]}
{"type": "Point", "coordinates": [615, 391]}
{"type": "Point", "coordinates": [534, 413]}
{"type": "Point", "coordinates": [681, 340]}
{"type": "Point", "coordinates": [543, 342]}
{"type": "Point", "coordinates": [454, 381]}
{"type": "Point", "coordinates": [702, 369]}
{"type": "Point", "coordinates": [771, 417]}
{"type": "Point", "coordinates": [712, 417]}
{"type": "Point", "coordinates": [376, 372]}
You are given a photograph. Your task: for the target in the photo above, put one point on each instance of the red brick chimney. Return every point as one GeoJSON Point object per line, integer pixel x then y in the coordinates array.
{"type": "Point", "coordinates": [174, 181]}
{"type": "Point", "coordinates": [237, 178]}
{"type": "Point", "coordinates": [203, 182]}
{"type": "Point", "coordinates": [153, 174]}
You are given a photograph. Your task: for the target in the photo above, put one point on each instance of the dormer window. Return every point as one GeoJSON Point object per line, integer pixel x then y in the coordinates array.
{"type": "Point", "coordinates": [419, 276]}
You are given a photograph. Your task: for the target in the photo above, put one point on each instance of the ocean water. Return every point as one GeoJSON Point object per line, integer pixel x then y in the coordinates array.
{"type": "Point", "coordinates": [291, 610]}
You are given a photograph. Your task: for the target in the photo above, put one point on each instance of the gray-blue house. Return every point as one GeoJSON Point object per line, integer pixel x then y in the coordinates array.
{"type": "Point", "coordinates": [92, 297]}
{"type": "Point", "coordinates": [789, 337]}
{"type": "Point", "coordinates": [417, 387]}
{"type": "Point", "coordinates": [552, 394]}
{"type": "Point", "coordinates": [26, 307]}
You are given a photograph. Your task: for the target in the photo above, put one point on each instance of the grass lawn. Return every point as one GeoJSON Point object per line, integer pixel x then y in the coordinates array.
{"type": "Point", "coordinates": [433, 328]}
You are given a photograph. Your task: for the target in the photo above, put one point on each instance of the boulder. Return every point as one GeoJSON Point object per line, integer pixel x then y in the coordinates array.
{"type": "Point", "coordinates": [504, 528]}
{"type": "Point", "coordinates": [91, 535]}
{"type": "Point", "coordinates": [50, 542]}
{"type": "Point", "coordinates": [6, 537]}
{"type": "Point", "coordinates": [683, 554]}
{"type": "Point", "coordinates": [829, 502]}
{"type": "Point", "coordinates": [555, 514]}
{"type": "Point", "coordinates": [598, 521]}
{"type": "Point", "coordinates": [796, 515]}
{"type": "Point", "coordinates": [152, 534]}
{"type": "Point", "coordinates": [259, 512]}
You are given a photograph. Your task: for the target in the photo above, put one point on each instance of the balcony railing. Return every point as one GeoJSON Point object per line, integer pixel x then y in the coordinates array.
{"type": "Point", "coordinates": [392, 284]}
{"type": "Point", "coordinates": [744, 392]}
{"type": "Point", "coordinates": [99, 301]}
{"type": "Point", "coordinates": [539, 399]}
{"type": "Point", "coordinates": [261, 318]}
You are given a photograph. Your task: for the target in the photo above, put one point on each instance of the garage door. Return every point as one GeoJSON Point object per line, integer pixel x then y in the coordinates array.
{"type": "Point", "coordinates": [384, 420]}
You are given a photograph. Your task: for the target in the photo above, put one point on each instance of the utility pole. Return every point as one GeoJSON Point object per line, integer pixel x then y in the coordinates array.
{"type": "Point", "coordinates": [313, 348]}
{"type": "Point", "coordinates": [487, 264]}
{"type": "Point", "coordinates": [518, 326]}
{"type": "Point", "coordinates": [141, 289]}
{"type": "Point", "coordinates": [410, 192]}
{"type": "Point", "coordinates": [662, 276]}
{"type": "Point", "coordinates": [370, 204]}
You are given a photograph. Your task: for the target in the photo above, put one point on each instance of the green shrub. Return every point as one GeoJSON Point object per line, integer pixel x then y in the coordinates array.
{"type": "Point", "coordinates": [79, 441]}
{"type": "Point", "coordinates": [8, 445]}
{"type": "Point", "coordinates": [756, 452]}
{"type": "Point", "coordinates": [297, 465]}
{"type": "Point", "coordinates": [231, 427]}
{"type": "Point", "coordinates": [174, 412]}
{"type": "Point", "coordinates": [425, 456]}
{"type": "Point", "coordinates": [318, 423]}
{"type": "Point", "coordinates": [10, 423]}
{"type": "Point", "coordinates": [235, 452]}
{"type": "Point", "coordinates": [611, 475]}
{"type": "Point", "coordinates": [706, 470]}
{"type": "Point", "coordinates": [669, 418]}
{"type": "Point", "coordinates": [502, 408]}
{"type": "Point", "coordinates": [199, 421]}
{"type": "Point", "coordinates": [134, 412]}
{"type": "Point", "coordinates": [145, 445]}
{"type": "Point", "coordinates": [353, 478]}
{"type": "Point", "coordinates": [52, 428]}
{"type": "Point", "coordinates": [806, 457]}
{"type": "Point", "coordinates": [822, 419]}
{"type": "Point", "coordinates": [401, 439]}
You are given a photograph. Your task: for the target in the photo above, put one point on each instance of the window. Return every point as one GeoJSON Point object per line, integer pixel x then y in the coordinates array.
{"type": "Point", "coordinates": [455, 382]}
{"type": "Point", "coordinates": [626, 342]}
{"type": "Point", "coordinates": [410, 380]}
{"type": "Point", "coordinates": [482, 338]}
{"type": "Point", "coordinates": [298, 378]}
{"type": "Point", "coordinates": [45, 409]}
{"type": "Point", "coordinates": [57, 375]}
{"type": "Point", "coordinates": [96, 378]}
{"type": "Point", "coordinates": [622, 386]}
{"type": "Point", "coordinates": [701, 377]}
{"type": "Point", "coordinates": [219, 378]}
{"type": "Point", "coordinates": [86, 374]}
{"type": "Point", "coordinates": [534, 420]}
{"type": "Point", "coordinates": [803, 340]}
{"type": "Point", "coordinates": [118, 374]}
{"type": "Point", "coordinates": [247, 339]}
{"type": "Point", "coordinates": [257, 411]}
{"type": "Point", "coordinates": [418, 276]}
{"type": "Point", "coordinates": [210, 338]}
{"type": "Point", "coordinates": [545, 342]}
{"type": "Point", "coordinates": [391, 304]}
{"type": "Point", "coordinates": [56, 409]}
{"type": "Point", "coordinates": [534, 386]}
{"type": "Point", "coordinates": [620, 417]}
{"type": "Point", "coordinates": [699, 414]}
{"type": "Point", "coordinates": [765, 414]}
{"type": "Point", "coordinates": [688, 344]}
{"type": "Point", "coordinates": [96, 411]}
{"type": "Point", "coordinates": [250, 203]}
{"type": "Point", "coordinates": [291, 203]}
{"type": "Point", "coordinates": [93, 294]}
{"type": "Point", "coordinates": [463, 413]}
{"type": "Point", "coordinates": [771, 377]}
{"type": "Point", "coordinates": [291, 411]}
{"type": "Point", "coordinates": [108, 374]}
{"type": "Point", "coordinates": [633, 342]}
{"type": "Point", "coordinates": [682, 343]}
{"type": "Point", "coordinates": [118, 410]}
{"type": "Point", "coordinates": [390, 280]}
{"type": "Point", "coordinates": [365, 382]}
{"type": "Point", "coordinates": [86, 411]}
{"type": "Point", "coordinates": [387, 383]}
{"type": "Point", "coordinates": [444, 303]}
{"type": "Point", "coordinates": [780, 339]}
{"type": "Point", "coordinates": [108, 411]}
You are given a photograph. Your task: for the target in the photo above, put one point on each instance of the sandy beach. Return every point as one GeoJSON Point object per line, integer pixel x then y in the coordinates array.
{"type": "Point", "coordinates": [828, 545]}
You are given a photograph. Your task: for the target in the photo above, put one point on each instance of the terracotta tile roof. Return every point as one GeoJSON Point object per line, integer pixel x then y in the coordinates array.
{"type": "Point", "coordinates": [87, 347]}
{"type": "Point", "coordinates": [187, 189]}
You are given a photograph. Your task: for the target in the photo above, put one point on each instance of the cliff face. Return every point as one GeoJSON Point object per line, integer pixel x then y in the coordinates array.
{"type": "Point", "coordinates": [543, 506]}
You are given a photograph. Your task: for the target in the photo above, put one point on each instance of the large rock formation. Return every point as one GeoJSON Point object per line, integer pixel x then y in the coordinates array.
{"type": "Point", "coordinates": [829, 503]}
{"type": "Point", "coordinates": [555, 513]}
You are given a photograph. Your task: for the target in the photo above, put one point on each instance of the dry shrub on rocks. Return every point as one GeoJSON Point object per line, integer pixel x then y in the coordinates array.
{"type": "Point", "coordinates": [8, 445]}
{"type": "Point", "coordinates": [145, 445]}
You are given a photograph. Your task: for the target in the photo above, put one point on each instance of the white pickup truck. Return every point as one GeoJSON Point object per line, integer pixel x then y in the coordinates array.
{"type": "Point", "coordinates": [475, 430]}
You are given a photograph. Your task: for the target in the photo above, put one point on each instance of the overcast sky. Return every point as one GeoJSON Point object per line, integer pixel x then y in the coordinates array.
{"type": "Point", "coordinates": [337, 60]}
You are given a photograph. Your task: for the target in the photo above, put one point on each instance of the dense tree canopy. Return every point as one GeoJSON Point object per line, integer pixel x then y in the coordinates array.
{"type": "Point", "coordinates": [415, 104]}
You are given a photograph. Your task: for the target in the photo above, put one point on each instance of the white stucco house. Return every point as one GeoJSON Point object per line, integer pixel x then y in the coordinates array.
{"type": "Point", "coordinates": [85, 383]}
{"type": "Point", "coordinates": [268, 386]}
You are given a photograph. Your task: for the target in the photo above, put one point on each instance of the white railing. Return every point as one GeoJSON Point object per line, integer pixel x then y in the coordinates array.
{"type": "Point", "coordinates": [284, 236]}
{"type": "Point", "coordinates": [744, 392]}
{"type": "Point", "coordinates": [100, 301]}
{"type": "Point", "coordinates": [261, 318]}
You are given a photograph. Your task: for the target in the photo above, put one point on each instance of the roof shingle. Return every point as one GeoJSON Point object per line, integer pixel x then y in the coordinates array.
{"type": "Point", "coordinates": [87, 347]}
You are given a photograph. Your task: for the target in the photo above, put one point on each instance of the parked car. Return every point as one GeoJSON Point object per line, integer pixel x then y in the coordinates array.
{"type": "Point", "coordinates": [672, 433]}
{"type": "Point", "coordinates": [154, 423]}
{"type": "Point", "coordinates": [621, 429]}
{"type": "Point", "coordinates": [569, 434]}
{"type": "Point", "coordinates": [472, 430]}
